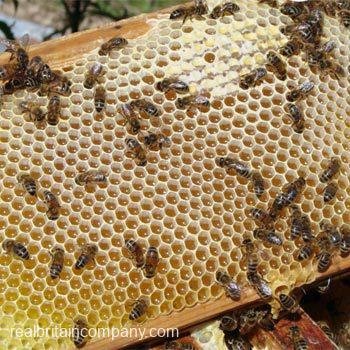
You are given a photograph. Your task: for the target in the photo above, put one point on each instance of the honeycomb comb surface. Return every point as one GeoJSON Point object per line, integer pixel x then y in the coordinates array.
{"type": "Point", "coordinates": [181, 202]}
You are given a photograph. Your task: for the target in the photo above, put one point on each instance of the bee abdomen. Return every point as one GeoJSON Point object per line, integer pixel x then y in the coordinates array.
{"type": "Point", "coordinates": [30, 188]}
{"type": "Point", "coordinates": [82, 261]}
{"type": "Point", "coordinates": [304, 252]}
{"type": "Point", "coordinates": [287, 302]}
{"type": "Point", "coordinates": [300, 344]}
{"type": "Point", "coordinates": [329, 192]}
{"type": "Point", "coordinates": [21, 251]}
{"type": "Point", "coordinates": [324, 261]}
{"type": "Point", "coordinates": [55, 270]}
{"type": "Point", "coordinates": [345, 245]}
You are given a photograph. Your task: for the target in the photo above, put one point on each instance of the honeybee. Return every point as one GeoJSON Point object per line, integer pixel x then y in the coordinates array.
{"type": "Point", "coordinates": [229, 8]}
{"type": "Point", "coordinates": [299, 342]}
{"type": "Point", "coordinates": [331, 232]}
{"type": "Point", "coordinates": [142, 105]}
{"type": "Point", "coordinates": [135, 151]}
{"type": "Point", "coordinates": [87, 254]}
{"type": "Point", "coordinates": [224, 162]}
{"type": "Point", "coordinates": [343, 4]}
{"type": "Point", "coordinates": [80, 333]}
{"type": "Point", "coordinates": [272, 3]}
{"type": "Point", "coordinates": [232, 289]}
{"type": "Point", "coordinates": [17, 50]}
{"type": "Point", "coordinates": [14, 84]}
{"type": "Point", "coordinates": [199, 9]}
{"type": "Point", "coordinates": [112, 44]}
{"type": "Point", "coordinates": [306, 232]}
{"type": "Point", "coordinates": [293, 9]}
{"type": "Point", "coordinates": [35, 66]}
{"type": "Point", "coordinates": [345, 242]}
{"type": "Point", "coordinates": [276, 65]}
{"type": "Point", "coordinates": [325, 328]}
{"type": "Point", "coordinates": [233, 340]}
{"type": "Point", "coordinates": [56, 267]}
{"type": "Point", "coordinates": [266, 321]}
{"type": "Point", "coordinates": [176, 345]}
{"type": "Point", "coordinates": [252, 78]}
{"type": "Point", "coordinates": [250, 256]}
{"type": "Point", "coordinates": [172, 84]}
{"type": "Point", "coordinates": [247, 320]}
{"type": "Point", "coordinates": [16, 248]}
{"type": "Point", "coordinates": [33, 110]}
{"type": "Point", "coordinates": [240, 168]}
{"type": "Point", "coordinates": [228, 323]}
{"type": "Point", "coordinates": [323, 286]}
{"type": "Point", "coordinates": [344, 16]}
{"type": "Point", "coordinates": [292, 47]}
{"type": "Point", "coordinates": [90, 177]}
{"type": "Point", "coordinates": [93, 75]}
{"type": "Point", "coordinates": [300, 92]}
{"type": "Point", "coordinates": [53, 110]}
{"type": "Point", "coordinates": [59, 85]}
{"type": "Point", "coordinates": [261, 216]}
{"type": "Point", "coordinates": [288, 302]}
{"type": "Point", "coordinates": [328, 47]}
{"type": "Point", "coordinates": [345, 245]}
{"type": "Point", "coordinates": [100, 98]}
{"type": "Point", "coordinates": [260, 285]}
{"type": "Point", "coordinates": [296, 222]}
{"type": "Point", "coordinates": [155, 141]}
{"type": "Point", "coordinates": [38, 72]}
{"type": "Point", "coordinates": [28, 183]}
{"type": "Point", "coordinates": [139, 309]}
{"type": "Point", "coordinates": [288, 196]}
{"type": "Point", "coordinates": [310, 30]}
{"type": "Point", "coordinates": [323, 261]}
{"type": "Point", "coordinates": [193, 101]}
{"type": "Point", "coordinates": [329, 7]}
{"type": "Point", "coordinates": [136, 251]}
{"type": "Point", "coordinates": [53, 205]}
{"type": "Point", "coordinates": [330, 191]}
{"type": "Point", "coordinates": [258, 183]}
{"type": "Point", "coordinates": [267, 236]}
{"type": "Point", "coordinates": [331, 171]}
{"type": "Point", "coordinates": [297, 117]}
{"type": "Point", "coordinates": [332, 68]}
{"type": "Point", "coordinates": [131, 119]}
{"type": "Point", "coordinates": [151, 262]}
{"type": "Point", "coordinates": [305, 252]}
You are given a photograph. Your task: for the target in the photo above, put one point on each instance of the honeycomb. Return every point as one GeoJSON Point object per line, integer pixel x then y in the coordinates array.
{"type": "Point", "coordinates": [181, 202]}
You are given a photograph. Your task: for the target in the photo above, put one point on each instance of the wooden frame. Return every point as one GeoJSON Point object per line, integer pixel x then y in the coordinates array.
{"type": "Point", "coordinates": [63, 52]}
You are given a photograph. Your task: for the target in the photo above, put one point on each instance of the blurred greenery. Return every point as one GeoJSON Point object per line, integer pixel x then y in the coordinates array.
{"type": "Point", "coordinates": [5, 28]}
{"type": "Point", "coordinates": [77, 10]}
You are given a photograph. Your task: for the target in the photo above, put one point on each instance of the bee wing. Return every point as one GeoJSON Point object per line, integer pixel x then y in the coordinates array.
{"type": "Point", "coordinates": [142, 135]}
{"type": "Point", "coordinates": [307, 86]}
{"type": "Point", "coordinates": [5, 44]}
{"type": "Point", "coordinates": [23, 41]}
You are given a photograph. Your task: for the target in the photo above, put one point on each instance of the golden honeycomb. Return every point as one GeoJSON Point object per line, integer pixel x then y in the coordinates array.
{"type": "Point", "coordinates": [181, 202]}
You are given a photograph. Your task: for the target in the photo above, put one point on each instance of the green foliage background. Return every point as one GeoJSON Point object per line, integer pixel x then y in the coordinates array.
{"type": "Point", "coordinates": [78, 10]}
